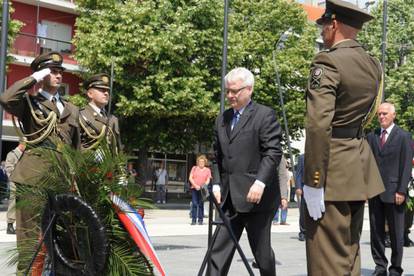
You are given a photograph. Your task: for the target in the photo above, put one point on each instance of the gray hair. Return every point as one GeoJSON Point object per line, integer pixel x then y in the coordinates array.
{"type": "Point", "coordinates": [391, 106]}
{"type": "Point", "coordinates": [240, 73]}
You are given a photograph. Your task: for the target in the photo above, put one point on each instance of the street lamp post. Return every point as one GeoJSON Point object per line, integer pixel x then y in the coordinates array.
{"type": "Point", "coordinates": [384, 43]}
{"type": "Point", "coordinates": [3, 56]}
{"type": "Point", "coordinates": [278, 46]}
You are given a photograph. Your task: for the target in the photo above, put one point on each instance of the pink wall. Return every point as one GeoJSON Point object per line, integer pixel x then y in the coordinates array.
{"type": "Point", "coordinates": [26, 45]}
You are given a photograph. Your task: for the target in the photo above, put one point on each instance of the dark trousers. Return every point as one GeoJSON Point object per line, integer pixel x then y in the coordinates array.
{"type": "Point", "coordinates": [197, 206]}
{"type": "Point", "coordinates": [332, 242]}
{"type": "Point", "coordinates": [302, 208]}
{"type": "Point", "coordinates": [258, 227]}
{"type": "Point", "coordinates": [408, 222]}
{"type": "Point", "coordinates": [394, 214]}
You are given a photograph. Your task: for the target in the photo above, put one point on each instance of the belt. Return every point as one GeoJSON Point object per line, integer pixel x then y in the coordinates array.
{"type": "Point", "coordinates": [347, 132]}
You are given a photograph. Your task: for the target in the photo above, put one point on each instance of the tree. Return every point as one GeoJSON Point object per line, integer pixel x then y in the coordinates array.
{"type": "Point", "coordinates": [14, 28]}
{"type": "Point", "coordinates": [399, 71]}
{"type": "Point", "coordinates": [167, 57]}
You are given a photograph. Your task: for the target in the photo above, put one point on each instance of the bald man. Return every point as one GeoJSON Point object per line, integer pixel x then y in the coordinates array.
{"type": "Point", "coordinates": [393, 153]}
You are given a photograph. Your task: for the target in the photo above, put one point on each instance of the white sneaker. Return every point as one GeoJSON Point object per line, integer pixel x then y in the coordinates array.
{"type": "Point", "coordinates": [163, 202]}
{"type": "Point", "coordinates": [158, 201]}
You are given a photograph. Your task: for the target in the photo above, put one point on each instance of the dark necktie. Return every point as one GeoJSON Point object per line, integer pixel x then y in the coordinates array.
{"type": "Point", "coordinates": [236, 118]}
{"type": "Point", "coordinates": [103, 113]}
{"type": "Point", "coordinates": [383, 138]}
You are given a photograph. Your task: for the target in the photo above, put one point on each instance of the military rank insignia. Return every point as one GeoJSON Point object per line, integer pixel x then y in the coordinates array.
{"type": "Point", "coordinates": [316, 77]}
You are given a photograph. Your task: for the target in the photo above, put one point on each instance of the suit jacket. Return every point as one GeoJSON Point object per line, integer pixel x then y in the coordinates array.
{"type": "Point", "coordinates": [93, 122]}
{"type": "Point", "coordinates": [248, 152]}
{"type": "Point", "coordinates": [300, 172]}
{"type": "Point", "coordinates": [344, 83]}
{"type": "Point", "coordinates": [394, 161]}
{"type": "Point", "coordinates": [31, 164]}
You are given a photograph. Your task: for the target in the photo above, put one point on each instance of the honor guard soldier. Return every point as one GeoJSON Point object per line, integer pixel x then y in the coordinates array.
{"type": "Point", "coordinates": [343, 93]}
{"type": "Point", "coordinates": [94, 121]}
{"type": "Point", "coordinates": [45, 120]}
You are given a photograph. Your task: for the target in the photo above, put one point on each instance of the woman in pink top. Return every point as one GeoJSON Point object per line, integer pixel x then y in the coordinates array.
{"type": "Point", "coordinates": [200, 175]}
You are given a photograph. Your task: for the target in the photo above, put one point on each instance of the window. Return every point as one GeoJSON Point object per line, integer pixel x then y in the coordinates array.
{"type": "Point", "coordinates": [58, 36]}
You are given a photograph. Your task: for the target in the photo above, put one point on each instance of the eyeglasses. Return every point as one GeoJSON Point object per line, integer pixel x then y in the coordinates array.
{"type": "Point", "coordinates": [235, 91]}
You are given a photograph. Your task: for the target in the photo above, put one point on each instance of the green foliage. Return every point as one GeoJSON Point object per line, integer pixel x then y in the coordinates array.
{"type": "Point", "coordinates": [91, 175]}
{"type": "Point", "coordinates": [78, 100]}
{"type": "Point", "coordinates": [167, 56]}
{"type": "Point", "coordinates": [399, 55]}
{"type": "Point", "coordinates": [14, 28]}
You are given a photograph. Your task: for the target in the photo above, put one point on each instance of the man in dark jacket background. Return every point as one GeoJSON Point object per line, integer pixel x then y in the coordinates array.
{"type": "Point", "coordinates": [392, 150]}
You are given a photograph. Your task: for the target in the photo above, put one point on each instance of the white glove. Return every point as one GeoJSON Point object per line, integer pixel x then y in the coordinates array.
{"type": "Point", "coordinates": [40, 75]}
{"type": "Point", "coordinates": [315, 202]}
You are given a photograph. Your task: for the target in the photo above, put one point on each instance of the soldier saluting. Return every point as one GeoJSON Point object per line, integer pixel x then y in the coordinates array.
{"type": "Point", "coordinates": [45, 120]}
{"type": "Point", "coordinates": [94, 121]}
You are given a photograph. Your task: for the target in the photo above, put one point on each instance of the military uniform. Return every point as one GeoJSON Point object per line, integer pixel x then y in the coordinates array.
{"type": "Point", "coordinates": [93, 120]}
{"type": "Point", "coordinates": [42, 125]}
{"type": "Point", "coordinates": [342, 96]}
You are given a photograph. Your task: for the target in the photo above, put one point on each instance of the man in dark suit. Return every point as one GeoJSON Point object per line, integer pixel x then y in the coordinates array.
{"type": "Point", "coordinates": [391, 147]}
{"type": "Point", "coordinates": [340, 170]}
{"type": "Point", "coordinates": [247, 148]}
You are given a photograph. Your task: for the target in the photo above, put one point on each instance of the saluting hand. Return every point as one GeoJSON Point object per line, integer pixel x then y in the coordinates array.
{"type": "Point", "coordinates": [255, 193]}
{"type": "Point", "coordinates": [40, 75]}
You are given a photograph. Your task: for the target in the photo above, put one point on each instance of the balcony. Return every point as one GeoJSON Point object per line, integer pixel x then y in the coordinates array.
{"type": "Point", "coordinates": [68, 6]}
{"type": "Point", "coordinates": [28, 46]}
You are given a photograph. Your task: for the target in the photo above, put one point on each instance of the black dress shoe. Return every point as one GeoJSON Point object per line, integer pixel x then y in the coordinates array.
{"type": "Point", "coordinates": [408, 242]}
{"type": "Point", "coordinates": [301, 237]}
{"type": "Point", "coordinates": [378, 272]}
{"type": "Point", "coordinates": [254, 265]}
{"type": "Point", "coordinates": [10, 229]}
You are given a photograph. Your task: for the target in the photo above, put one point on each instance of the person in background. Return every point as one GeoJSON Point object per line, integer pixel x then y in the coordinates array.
{"type": "Point", "coordinates": [299, 193]}
{"type": "Point", "coordinates": [3, 181]}
{"type": "Point", "coordinates": [409, 213]}
{"type": "Point", "coordinates": [392, 150]}
{"type": "Point", "coordinates": [200, 175]}
{"type": "Point", "coordinates": [11, 160]}
{"type": "Point", "coordinates": [161, 183]}
{"type": "Point", "coordinates": [283, 173]}
{"type": "Point", "coordinates": [132, 174]}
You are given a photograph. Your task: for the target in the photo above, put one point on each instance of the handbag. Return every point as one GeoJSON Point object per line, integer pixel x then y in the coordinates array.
{"type": "Point", "coordinates": [205, 192]}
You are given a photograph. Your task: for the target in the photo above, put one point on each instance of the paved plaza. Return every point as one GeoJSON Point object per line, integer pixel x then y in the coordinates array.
{"type": "Point", "coordinates": [181, 247]}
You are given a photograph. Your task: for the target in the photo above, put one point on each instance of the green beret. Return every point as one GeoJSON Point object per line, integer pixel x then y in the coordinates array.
{"type": "Point", "coordinates": [344, 12]}
{"type": "Point", "coordinates": [47, 60]}
{"type": "Point", "coordinates": [97, 81]}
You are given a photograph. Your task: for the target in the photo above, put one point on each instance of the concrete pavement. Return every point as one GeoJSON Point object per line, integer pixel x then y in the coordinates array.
{"type": "Point", "coordinates": [181, 247]}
